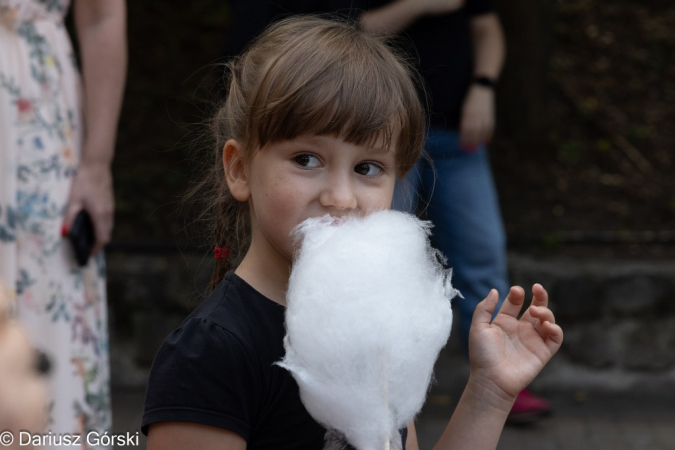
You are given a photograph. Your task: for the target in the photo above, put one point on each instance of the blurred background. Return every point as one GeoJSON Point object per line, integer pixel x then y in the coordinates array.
{"type": "Point", "coordinates": [586, 100]}
{"type": "Point", "coordinates": [585, 168]}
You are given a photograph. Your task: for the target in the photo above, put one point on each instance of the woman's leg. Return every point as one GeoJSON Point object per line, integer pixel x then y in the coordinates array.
{"type": "Point", "coordinates": [468, 228]}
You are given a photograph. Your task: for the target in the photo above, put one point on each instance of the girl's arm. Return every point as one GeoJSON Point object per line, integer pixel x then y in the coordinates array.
{"type": "Point", "coordinates": [477, 421]}
{"type": "Point", "coordinates": [399, 15]}
{"type": "Point", "coordinates": [101, 32]}
{"type": "Point", "coordinates": [505, 356]}
{"type": "Point", "coordinates": [190, 436]}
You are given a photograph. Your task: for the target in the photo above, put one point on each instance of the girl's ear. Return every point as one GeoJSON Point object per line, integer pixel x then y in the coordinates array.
{"type": "Point", "coordinates": [236, 173]}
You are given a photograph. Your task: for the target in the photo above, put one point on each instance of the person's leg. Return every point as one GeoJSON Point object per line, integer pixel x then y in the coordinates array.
{"type": "Point", "coordinates": [461, 201]}
{"type": "Point", "coordinates": [468, 229]}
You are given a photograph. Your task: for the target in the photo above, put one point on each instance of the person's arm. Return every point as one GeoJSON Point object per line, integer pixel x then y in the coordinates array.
{"type": "Point", "coordinates": [101, 31]}
{"type": "Point", "coordinates": [505, 356]}
{"type": "Point", "coordinates": [190, 436]}
{"type": "Point", "coordinates": [489, 45]}
{"type": "Point", "coordinates": [478, 111]}
{"type": "Point", "coordinates": [399, 15]}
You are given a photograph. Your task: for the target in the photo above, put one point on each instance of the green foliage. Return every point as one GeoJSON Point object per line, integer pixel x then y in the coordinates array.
{"type": "Point", "coordinates": [603, 145]}
{"type": "Point", "coordinates": [570, 152]}
{"type": "Point", "coordinates": [671, 204]}
{"type": "Point", "coordinates": [638, 133]}
{"type": "Point", "coordinates": [587, 108]}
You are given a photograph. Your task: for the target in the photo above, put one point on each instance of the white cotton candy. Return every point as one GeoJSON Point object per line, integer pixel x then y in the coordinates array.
{"type": "Point", "coordinates": [368, 312]}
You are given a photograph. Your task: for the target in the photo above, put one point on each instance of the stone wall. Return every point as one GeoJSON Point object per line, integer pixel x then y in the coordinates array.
{"type": "Point", "coordinates": [148, 296]}
{"type": "Point", "coordinates": [618, 317]}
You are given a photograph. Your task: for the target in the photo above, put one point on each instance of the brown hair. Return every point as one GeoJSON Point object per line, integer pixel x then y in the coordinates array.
{"type": "Point", "coordinates": [309, 75]}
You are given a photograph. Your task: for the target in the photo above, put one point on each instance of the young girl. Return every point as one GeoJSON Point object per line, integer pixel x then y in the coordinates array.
{"type": "Point", "coordinates": [320, 118]}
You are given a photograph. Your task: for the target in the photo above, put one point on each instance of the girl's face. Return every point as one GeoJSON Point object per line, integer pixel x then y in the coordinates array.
{"type": "Point", "coordinates": [311, 176]}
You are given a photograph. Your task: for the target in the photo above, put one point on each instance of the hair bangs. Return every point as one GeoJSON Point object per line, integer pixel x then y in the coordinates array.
{"type": "Point", "coordinates": [351, 89]}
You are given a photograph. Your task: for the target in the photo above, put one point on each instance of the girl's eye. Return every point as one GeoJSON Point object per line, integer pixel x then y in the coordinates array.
{"type": "Point", "coordinates": [308, 161]}
{"type": "Point", "coordinates": [368, 169]}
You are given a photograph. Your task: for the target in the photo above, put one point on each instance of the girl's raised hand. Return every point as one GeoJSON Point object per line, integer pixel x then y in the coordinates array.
{"type": "Point", "coordinates": [507, 353]}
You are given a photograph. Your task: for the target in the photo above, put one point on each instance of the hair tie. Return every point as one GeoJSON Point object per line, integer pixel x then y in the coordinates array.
{"type": "Point", "coordinates": [221, 252]}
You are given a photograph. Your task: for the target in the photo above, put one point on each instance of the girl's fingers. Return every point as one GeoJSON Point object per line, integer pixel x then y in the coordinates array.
{"type": "Point", "coordinates": [540, 295]}
{"type": "Point", "coordinates": [554, 336]}
{"type": "Point", "coordinates": [543, 321]}
{"type": "Point", "coordinates": [542, 313]}
{"type": "Point", "coordinates": [484, 310]}
{"type": "Point", "coordinates": [513, 302]}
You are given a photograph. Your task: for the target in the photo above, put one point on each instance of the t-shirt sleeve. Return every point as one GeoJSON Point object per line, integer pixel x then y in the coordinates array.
{"type": "Point", "coordinates": [479, 7]}
{"type": "Point", "coordinates": [202, 374]}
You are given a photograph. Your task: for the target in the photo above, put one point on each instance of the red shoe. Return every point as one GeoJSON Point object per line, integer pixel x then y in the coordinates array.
{"type": "Point", "coordinates": [527, 408]}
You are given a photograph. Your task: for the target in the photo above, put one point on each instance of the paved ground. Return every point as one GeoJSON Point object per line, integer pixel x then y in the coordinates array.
{"type": "Point", "coordinates": [581, 421]}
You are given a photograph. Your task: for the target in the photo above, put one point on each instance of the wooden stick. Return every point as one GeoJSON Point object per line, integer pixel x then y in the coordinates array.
{"type": "Point", "coordinates": [385, 391]}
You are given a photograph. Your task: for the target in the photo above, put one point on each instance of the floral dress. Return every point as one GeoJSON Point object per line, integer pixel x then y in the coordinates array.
{"type": "Point", "coordinates": [41, 127]}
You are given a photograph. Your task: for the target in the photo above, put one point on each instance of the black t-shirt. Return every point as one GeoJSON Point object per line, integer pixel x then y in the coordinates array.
{"type": "Point", "coordinates": [250, 17]}
{"type": "Point", "coordinates": [443, 46]}
{"type": "Point", "coordinates": [218, 369]}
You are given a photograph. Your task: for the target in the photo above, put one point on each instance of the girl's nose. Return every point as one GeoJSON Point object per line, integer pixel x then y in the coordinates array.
{"type": "Point", "coordinates": [338, 193]}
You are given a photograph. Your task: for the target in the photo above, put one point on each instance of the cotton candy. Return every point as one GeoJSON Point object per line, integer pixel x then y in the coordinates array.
{"type": "Point", "coordinates": [368, 312]}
